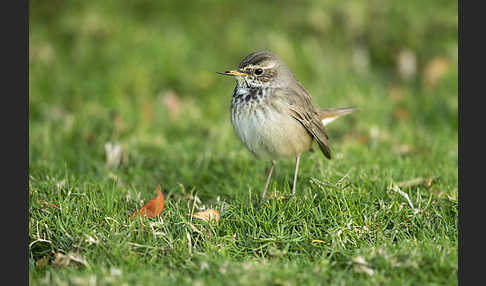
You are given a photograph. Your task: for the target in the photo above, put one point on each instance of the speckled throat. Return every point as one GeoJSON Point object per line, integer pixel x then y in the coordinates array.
{"type": "Point", "coordinates": [249, 95]}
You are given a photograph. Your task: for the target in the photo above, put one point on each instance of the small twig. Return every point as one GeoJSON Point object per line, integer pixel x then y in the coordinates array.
{"type": "Point", "coordinates": [405, 195]}
{"type": "Point", "coordinates": [427, 183]}
{"type": "Point", "coordinates": [343, 177]}
{"type": "Point", "coordinates": [142, 245]}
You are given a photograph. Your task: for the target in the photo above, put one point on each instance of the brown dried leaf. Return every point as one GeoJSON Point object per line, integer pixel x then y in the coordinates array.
{"type": "Point", "coordinates": [47, 204]}
{"type": "Point", "coordinates": [402, 149]}
{"type": "Point", "coordinates": [173, 103]}
{"type": "Point", "coordinates": [363, 139]}
{"type": "Point", "coordinates": [153, 208]}
{"type": "Point", "coordinates": [62, 260]}
{"type": "Point", "coordinates": [400, 114]}
{"type": "Point", "coordinates": [435, 70]}
{"type": "Point", "coordinates": [208, 215]}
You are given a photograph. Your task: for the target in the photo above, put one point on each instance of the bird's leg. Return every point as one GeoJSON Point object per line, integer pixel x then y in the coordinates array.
{"type": "Point", "coordinates": [295, 174]}
{"type": "Point", "coordinates": [268, 180]}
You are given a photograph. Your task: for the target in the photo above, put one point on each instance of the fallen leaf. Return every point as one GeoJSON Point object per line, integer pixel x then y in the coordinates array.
{"type": "Point", "coordinates": [406, 64]}
{"type": "Point", "coordinates": [113, 154]}
{"type": "Point", "coordinates": [91, 240]}
{"type": "Point", "coordinates": [360, 265]}
{"type": "Point", "coordinates": [47, 204]}
{"type": "Point", "coordinates": [435, 70]}
{"type": "Point", "coordinates": [363, 138]}
{"type": "Point", "coordinates": [62, 260]}
{"type": "Point", "coordinates": [400, 113]}
{"type": "Point", "coordinates": [153, 208]}
{"type": "Point", "coordinates": [173, 103]}
{"type": "Point", "coordinates": [402, 149]}
{"type": "Point", "coordinates": [208, 215]}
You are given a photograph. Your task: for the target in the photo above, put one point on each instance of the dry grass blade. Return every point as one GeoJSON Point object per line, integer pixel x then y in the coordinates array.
{"type": "Point", "coordinates": [396, 189]}
{"type": "Point", "coordinates": [416, 182]}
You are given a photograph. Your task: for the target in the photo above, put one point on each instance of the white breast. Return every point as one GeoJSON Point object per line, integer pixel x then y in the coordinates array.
{"type": "Point", "coordinates": [266, 132]}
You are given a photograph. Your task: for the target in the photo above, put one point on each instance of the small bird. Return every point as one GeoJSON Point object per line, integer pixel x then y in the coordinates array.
{"type": "Point", "coordinates": [273, 115]}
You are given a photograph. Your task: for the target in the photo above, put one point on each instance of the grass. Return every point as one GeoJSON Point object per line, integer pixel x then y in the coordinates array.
{"type": "Point", "coordinates": [141, 75]}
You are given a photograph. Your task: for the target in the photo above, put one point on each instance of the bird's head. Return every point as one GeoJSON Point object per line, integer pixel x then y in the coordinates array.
{"type": "Point", "coordinates": [261, 69]}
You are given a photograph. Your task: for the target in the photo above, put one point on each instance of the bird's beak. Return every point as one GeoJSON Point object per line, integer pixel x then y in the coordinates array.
{"type": "Point", "coordinates": [233, 73]}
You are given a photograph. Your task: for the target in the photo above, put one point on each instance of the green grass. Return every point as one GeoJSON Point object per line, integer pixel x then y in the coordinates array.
{"type": "Point", "coordinates": [104, 71]}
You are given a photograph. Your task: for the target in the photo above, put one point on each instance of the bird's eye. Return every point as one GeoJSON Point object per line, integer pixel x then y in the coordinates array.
{"type": "Point", "coordinates": [258, 71]}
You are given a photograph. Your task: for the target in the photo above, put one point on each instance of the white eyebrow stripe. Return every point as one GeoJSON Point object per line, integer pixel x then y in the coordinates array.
{"type": "Point", "coordinates": [268, 66]}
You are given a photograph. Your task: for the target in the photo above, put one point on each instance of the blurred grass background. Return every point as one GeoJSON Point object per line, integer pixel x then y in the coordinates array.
{"type": "Point", "coordinates": [141, 74]}
{"type": "Point", "coordinates": [144, 71]}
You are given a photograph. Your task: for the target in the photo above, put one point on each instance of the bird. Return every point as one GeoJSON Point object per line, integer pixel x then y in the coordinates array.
{"type": "Point", "coordinates": [273, 115]}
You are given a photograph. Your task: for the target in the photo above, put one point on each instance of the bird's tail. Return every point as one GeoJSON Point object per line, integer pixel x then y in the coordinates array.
{"type": "Point", "coordinates": [328, 115]}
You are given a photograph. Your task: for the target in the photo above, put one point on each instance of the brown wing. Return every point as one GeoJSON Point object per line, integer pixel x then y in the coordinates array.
{"type": "Point", "coordinates": [301, 108]}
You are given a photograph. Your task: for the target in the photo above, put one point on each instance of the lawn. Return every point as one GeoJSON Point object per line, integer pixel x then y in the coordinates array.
{"type": "Point", "coordinates": [123, 96]}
